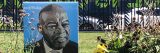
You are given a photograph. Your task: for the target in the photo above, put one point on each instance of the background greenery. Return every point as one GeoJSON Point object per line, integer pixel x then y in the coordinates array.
{"type": "Point", "coordinates": [145, 44]}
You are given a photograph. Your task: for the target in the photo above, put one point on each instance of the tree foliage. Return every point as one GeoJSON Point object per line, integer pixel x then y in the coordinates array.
{"type": "Point", "coordinates": [116, 3]}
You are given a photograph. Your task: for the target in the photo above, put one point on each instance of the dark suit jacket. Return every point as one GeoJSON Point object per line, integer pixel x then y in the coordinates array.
{"type": "Point", "coordinates": [71, 47]}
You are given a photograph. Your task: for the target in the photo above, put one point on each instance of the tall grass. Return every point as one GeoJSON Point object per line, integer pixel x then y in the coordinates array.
{"type": "Point", "coordinates": [11, 42]}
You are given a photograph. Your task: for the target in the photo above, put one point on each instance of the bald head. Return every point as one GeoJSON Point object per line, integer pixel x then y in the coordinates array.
{"type": "Point", "coordinates": [53, 11]}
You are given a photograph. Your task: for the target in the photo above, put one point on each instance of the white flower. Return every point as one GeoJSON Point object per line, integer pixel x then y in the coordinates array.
{"type": "Point", "coordinates": [27, 14]}
{"type": "Point", "coordinates": [29, 23]}
{"type": "Point", "coordinates": [32, 28]}
{"type": "Point", "coordinates": [120, 36]}
{"type": "Point", "coordinates": [32, 19]}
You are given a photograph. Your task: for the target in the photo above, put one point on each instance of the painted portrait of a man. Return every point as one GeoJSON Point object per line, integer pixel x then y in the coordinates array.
{"type": "Point", "coordinates": [53, 24]}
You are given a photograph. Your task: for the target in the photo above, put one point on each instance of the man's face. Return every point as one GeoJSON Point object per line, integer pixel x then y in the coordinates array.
{"type": "Point", "coordinates": [55, 29]}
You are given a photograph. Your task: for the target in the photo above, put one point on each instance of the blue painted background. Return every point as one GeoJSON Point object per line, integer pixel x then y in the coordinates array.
{"type": "Point", "coordinates": [30, 21]}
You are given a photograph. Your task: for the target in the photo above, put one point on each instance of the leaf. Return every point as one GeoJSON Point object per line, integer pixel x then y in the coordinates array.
{"type": "Point", "coordinates": [157, 48]}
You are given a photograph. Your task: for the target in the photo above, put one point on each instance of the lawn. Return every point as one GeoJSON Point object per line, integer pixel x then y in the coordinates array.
{"type": "Point", "coordinates": [88, 42]}
{"type": "Point", "coordinates": [145, 43]}
{"type": "Point", "coordinates": [11, 42]}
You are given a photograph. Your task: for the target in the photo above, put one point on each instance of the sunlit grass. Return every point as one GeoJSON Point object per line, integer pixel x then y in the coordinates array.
{"type": "Point", "coordinates": [88, 42]}
{"type": "Point", "coordinates": [11, 42]}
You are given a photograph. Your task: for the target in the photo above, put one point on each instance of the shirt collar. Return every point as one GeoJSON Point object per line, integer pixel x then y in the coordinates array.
{"type": "Point", "coordinates": [50, 50]}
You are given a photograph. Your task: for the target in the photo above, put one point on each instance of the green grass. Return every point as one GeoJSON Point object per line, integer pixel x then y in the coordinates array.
{"type": "Point", "coordinates": [88, 42]}
{"type": "Point", "coordinates": [11, 42]}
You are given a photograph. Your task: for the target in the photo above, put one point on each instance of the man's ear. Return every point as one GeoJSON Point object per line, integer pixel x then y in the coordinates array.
{"type": "Point", "coordinates": [39, 26]}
